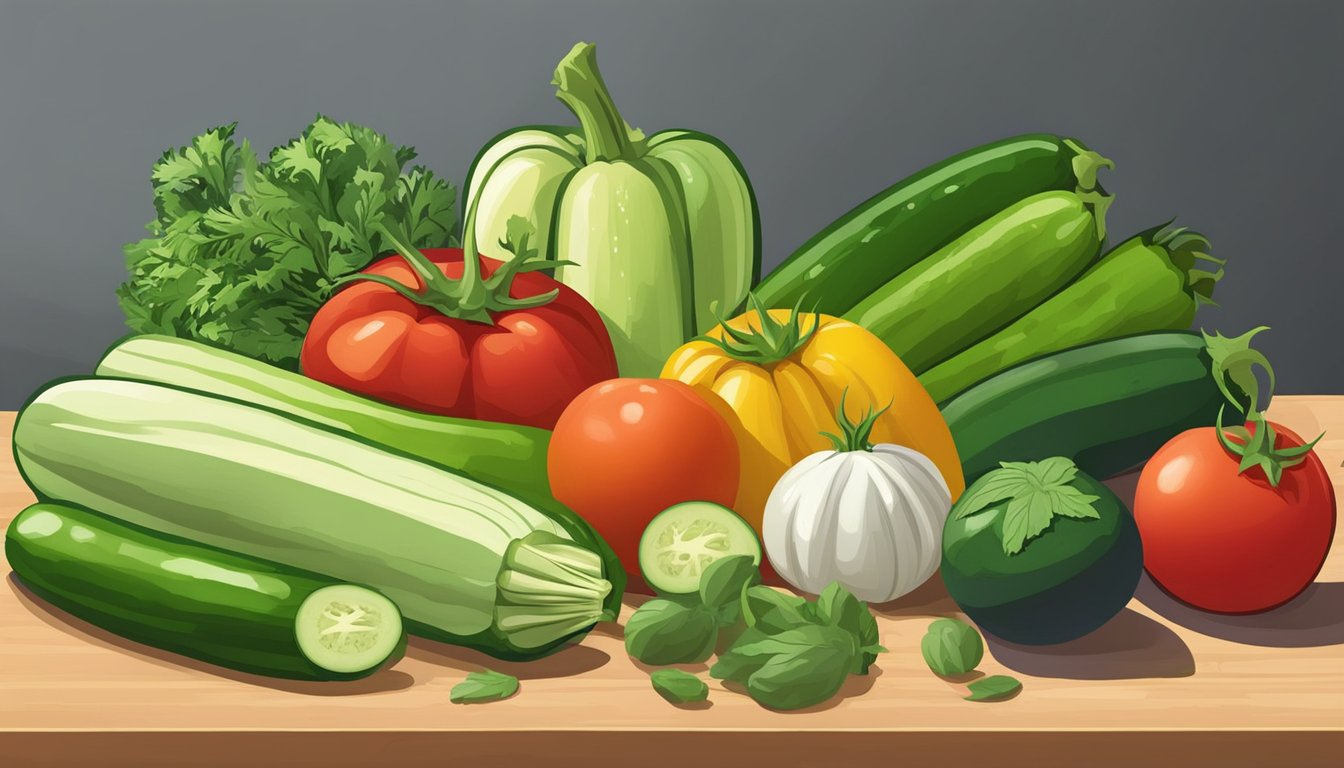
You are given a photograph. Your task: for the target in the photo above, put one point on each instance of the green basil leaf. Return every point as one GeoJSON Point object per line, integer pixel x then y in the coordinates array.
{"type": "Point", "coordinates": [838, 607]}
{"type": "Point", "coordinates": [737, 667]}
{"type": "Point", "coordinates": [679, 687]}
{"type": "Point", "coordinates": [484, 686]}
{"type": "Point", "coordinates": [667, 632]}
{"type": "Point", "coordinates": [952, 647]}
{"type": "Point", "coordinates": [772, 610]}
{"type": "Point", "coordinates": [993, 687]}
{"type": "Point", "coordinates": [724, 579]}
{"type": "Point", "coordinates": [806, 674]}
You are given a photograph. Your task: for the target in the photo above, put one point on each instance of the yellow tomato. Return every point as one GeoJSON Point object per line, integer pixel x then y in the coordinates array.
{"type": "Point", "coordinates": [784, 381]}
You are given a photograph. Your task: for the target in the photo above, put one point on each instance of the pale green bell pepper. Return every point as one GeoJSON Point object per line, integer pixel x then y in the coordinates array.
{"type": "Point", "coordinates": [662, 231]}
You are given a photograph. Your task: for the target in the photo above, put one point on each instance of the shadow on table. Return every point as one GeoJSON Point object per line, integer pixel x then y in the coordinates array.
{"type": "Point", "coordinates": [1130, 646]}
{"type": "Point", "coordinates": [929, 600]}
{"type": "Point", "coordinates": [380, 682]}
{"type": "Point", "coordinates": [566, 662]}
{"type": "Point", "coordinates": [1314, 618]}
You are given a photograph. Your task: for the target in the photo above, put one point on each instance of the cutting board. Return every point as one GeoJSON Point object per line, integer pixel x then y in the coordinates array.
{"type": "Point", "coordinates": [1160, 683]}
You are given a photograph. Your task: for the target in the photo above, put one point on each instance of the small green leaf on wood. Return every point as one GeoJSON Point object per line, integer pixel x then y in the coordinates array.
{"type": "Point", "coordinates": [679, 687]}
{"type": "Point", "coordinates": [993, 688]}
{"type": "Point", "coordinates": [484, 686]}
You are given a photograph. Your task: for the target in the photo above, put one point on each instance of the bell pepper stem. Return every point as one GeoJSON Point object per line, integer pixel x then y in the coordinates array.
{"type": "Point", "coordinates": [579, 85]}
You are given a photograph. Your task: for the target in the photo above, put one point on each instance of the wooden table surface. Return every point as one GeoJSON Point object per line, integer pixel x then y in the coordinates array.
{"type": "Point", "coordinates": [1160, 682]}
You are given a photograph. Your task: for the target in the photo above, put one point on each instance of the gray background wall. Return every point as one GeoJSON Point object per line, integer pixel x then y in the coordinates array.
{"type": "Point", "coordinates": [1226, 113]}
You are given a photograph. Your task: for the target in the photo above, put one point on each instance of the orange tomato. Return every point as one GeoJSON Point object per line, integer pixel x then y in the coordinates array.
{"type": "Point", "coordinates": [626, 449]}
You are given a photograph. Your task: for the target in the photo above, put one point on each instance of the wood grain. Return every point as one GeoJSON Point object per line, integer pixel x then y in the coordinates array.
{"type": "Point", "coordinates": [1241, 690]}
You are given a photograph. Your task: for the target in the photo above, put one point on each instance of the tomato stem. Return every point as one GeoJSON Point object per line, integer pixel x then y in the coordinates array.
{"type": "Point", "coordinates": [472, 297]}
{"type": "Point", "coordinates": [1257, 448]}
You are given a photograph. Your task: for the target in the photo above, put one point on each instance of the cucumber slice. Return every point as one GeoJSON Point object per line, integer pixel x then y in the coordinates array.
{"type": "Point", "coordinates": [345, 628]}
{"type": "Point", "coordinates": [682, 541]}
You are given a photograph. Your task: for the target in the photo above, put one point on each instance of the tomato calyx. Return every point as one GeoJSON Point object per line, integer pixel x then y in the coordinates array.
{"type": "Point", "coordinates": [1257, 448]}
{"type": "Point", "coordinates": [472, 297]}
{"type": "Point", "coordinates": [772, 342]}
{"type": "Point", "coordinates": [1234, 365]}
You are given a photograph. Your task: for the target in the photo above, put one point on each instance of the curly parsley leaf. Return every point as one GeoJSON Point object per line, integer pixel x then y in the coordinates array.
{"type": "Point", "coordinates": [1035, 492]}
{"type": "Point", "coordinates": [242, 253]}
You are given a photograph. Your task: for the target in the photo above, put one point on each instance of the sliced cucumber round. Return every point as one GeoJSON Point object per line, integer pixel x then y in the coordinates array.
{"type": "Point", "coordinates": [682, 541]}
{"type": "Point", "coordinates": [344, 628]}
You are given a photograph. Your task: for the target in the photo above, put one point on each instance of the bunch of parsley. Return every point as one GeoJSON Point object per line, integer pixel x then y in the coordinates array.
{"type": "Point", "coordinates": [242, 253]}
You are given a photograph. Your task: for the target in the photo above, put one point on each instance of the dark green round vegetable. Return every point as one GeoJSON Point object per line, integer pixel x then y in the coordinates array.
{"type": "Point", "coordinates": [1066, 581]}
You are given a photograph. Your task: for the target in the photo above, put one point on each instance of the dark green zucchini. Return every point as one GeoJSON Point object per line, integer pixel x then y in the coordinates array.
{"type": "Point", "coordinates": [995, 273]}
{"type": "Point", "coordinates": [1107, 406]}
{"type": "Point", "coordinates": [905, 223]}
{"type": "Point", "coordinates": [216, 606]}
{"type": "Point", "coordinates": [1152, 282]}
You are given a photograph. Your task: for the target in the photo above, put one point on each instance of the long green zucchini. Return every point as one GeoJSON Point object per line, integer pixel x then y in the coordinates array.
{"type": "Point", "coordinates": [509, 456]}
{"type": "Point", "coordinates": [1107, 406]}
{"type": "Point", "coordinates": [1152, 282]}
{"type": "Point", "coordinates": [211, 605]}
{"type": "Point", "coordinates": [995, 273]}
{"type": "Point", "coordinates": [466, 563]}
{"type": "Point", "coordinates": [905, 223]}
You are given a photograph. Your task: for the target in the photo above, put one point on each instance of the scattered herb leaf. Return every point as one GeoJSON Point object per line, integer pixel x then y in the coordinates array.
{"type": "Point", "coordinates": [772, 610]}
{"type": "Point", "coordinates": [838, 607]}
{"type": "Point", "coordinates": [993, 688]}
{"type": "Point", "coordinates": [484, 686]}
{"type": "Point", "coordinates": [952, 647]}
{"type": "Point", "coordinates": [723, 581]}
{"type": "Point", "coordinates": [679, 687]}
{"type": "Point", "coordinates": [790, 670]}
{"type": "Point", "coordinates": [664, 631]}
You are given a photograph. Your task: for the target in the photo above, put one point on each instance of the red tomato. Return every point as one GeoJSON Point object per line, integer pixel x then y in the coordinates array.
{"type": "Point", "coordinates": [1229, 542]}
{"type": "Point", "coordinates": [523, 368]}
{"type": "Point", "coordinates": [627, 449]}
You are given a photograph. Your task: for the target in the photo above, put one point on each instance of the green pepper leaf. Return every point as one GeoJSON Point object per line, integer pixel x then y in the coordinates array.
{"type": "Point", "coordinates": [993, 688]}
{"type": "Point", "coordinates": [1036, 491]}
{"type": "Point", "coordinates": [664, 631]}
{"type": "Point", "coordinates": [723, 581]}
{"type": "Point", "coordinates": [484, 686]}
{"type": "Point", "coordinates": [679, 687]}
{"type": "Point", "coordinates": [951, 647]}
